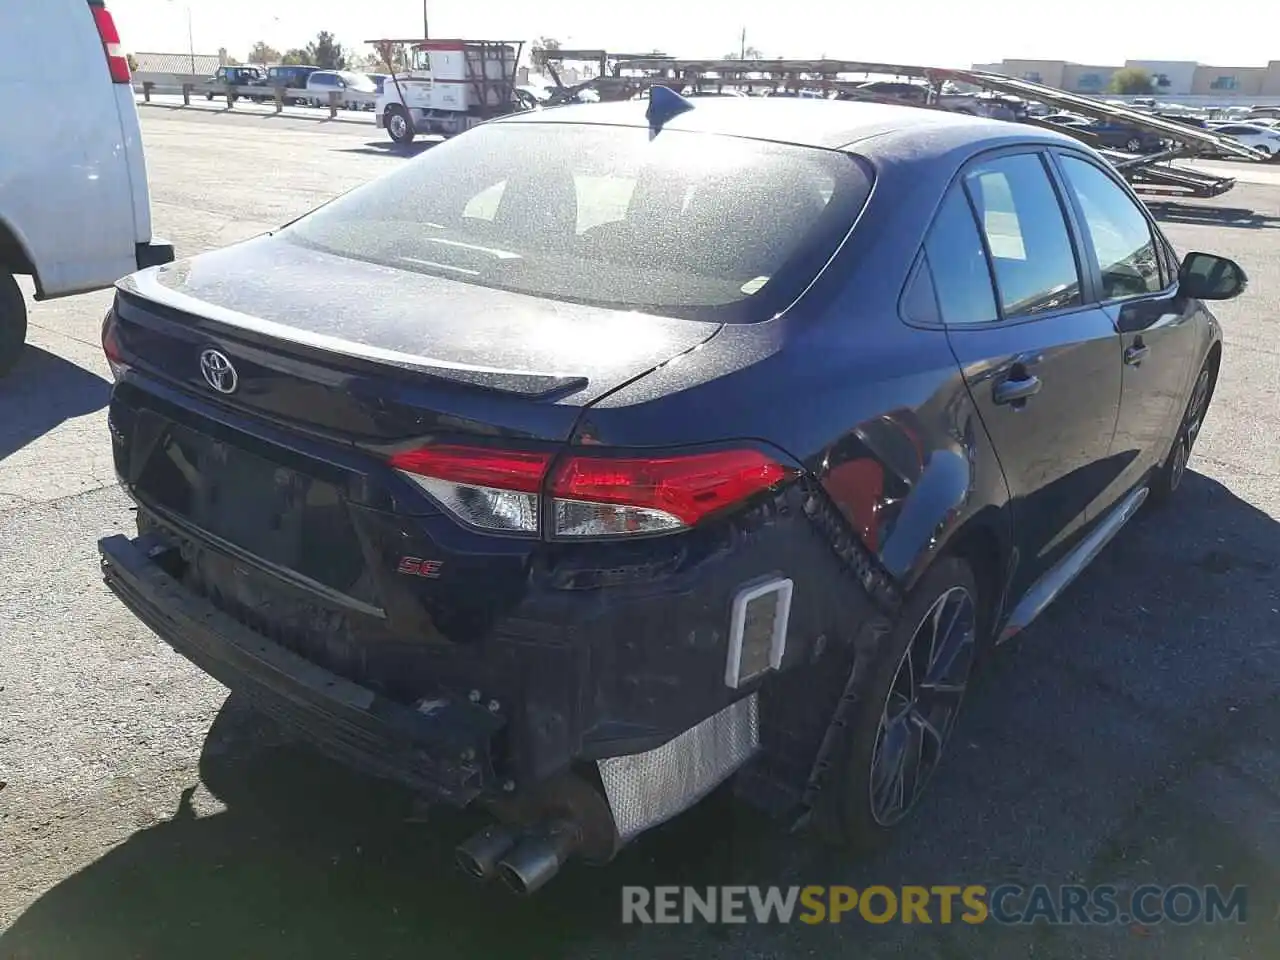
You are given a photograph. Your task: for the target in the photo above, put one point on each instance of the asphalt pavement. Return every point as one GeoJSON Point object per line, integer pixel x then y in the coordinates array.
{"type": "Point", "coordinates": [1131, 735]}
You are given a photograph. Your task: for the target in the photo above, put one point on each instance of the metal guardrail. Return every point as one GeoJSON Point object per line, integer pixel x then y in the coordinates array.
{"type": "Point", "coordinates": [282, 96]}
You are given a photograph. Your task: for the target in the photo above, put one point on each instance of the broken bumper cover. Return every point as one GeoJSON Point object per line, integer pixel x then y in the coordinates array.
{"type": "Point", "coordinates": [646, 789]}
{"type": "Point", "coordinates": [444, 753]}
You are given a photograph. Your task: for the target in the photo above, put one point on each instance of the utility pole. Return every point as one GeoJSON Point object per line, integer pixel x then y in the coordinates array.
{"type": "Point", "coordinates": [742, 54]}
{"type": "Point", "coordinates": [425, 25]}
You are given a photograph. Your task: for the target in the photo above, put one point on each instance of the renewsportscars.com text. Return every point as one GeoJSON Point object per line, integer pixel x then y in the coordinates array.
{"type": "Point", "coordinates": [1007, 904]}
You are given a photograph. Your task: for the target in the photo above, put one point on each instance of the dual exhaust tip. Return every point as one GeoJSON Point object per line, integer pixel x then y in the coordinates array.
{"type": "Point", "coordinates": [525, 860]}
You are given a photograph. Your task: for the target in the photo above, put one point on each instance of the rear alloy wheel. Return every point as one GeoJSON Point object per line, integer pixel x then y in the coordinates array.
{"type": "Point", "coordinates": [1134, 145]}
{"type": "Point", "coordinates": [399, 126]}
{"type": "Point", "coordinates": [907, 706]}
{"type": "Point", "coordinates": [1169, 476]}
{"type": "Point", "coordinates": [13, 323]}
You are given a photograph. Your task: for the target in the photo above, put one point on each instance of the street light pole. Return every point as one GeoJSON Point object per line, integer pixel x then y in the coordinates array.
{"type": "Point", "coordinates": [425, 25]}
{"type": "Point", "coordinates": [191, 38]}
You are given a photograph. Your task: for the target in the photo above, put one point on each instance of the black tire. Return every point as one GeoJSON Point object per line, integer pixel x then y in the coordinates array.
{"type": "Point", "coordinates": [883, 719]}
{"type": "Point", "coordinates": [1168, 478]}
{"type": "Point", "coordinates": [13, 323]}
{"type": "Point", "coordinates": [399, 125]}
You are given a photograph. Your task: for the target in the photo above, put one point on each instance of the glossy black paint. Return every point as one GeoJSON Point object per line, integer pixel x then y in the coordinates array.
{"type": "Point", "coordinates": [922, 439]}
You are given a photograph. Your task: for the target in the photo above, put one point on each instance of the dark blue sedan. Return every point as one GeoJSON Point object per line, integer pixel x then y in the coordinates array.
{"type": "Point", "coordinates": [603, 453]}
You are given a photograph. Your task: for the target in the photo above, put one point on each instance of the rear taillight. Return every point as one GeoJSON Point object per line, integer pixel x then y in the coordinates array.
{"type": "Point", "coordinates": [588, 495]}
{"type": "Point", "coordinates": [117, 60]}
{"type": "Point", "coordinates": [491, 489]}
{"type": "Point", "coordinates": [606, 496]}
{"type": "Point", "coordinates": [111, 346]}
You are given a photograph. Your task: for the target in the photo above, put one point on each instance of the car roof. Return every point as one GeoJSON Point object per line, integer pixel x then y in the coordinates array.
{"type": "Point", "coordinates": [828, 124]}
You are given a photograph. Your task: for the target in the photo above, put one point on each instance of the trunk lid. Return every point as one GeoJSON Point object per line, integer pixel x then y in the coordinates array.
{"type": "Point", "coordinates": [372, 353]}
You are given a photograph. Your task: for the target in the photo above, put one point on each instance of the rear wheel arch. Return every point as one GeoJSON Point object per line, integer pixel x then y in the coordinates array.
{"type": "Point", "coordinates": [14, 257]}
{"type": "Point", "coordinates": [986, 553]}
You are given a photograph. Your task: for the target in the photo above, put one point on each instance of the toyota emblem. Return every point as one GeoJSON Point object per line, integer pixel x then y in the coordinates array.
{"type": "Point", "coordinates": [218, 371]}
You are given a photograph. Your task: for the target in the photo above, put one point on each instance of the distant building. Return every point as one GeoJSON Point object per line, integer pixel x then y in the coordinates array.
{"type": "Point", "coordinates": [1174, 79]}
{"type": "Point", "coordinates": [200, 64]}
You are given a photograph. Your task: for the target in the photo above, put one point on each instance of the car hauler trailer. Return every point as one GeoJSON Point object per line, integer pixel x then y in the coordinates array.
{"type": "Point", "coordinates": [1152, 173]}
{"type": "Point", "coordinates": [445, 86]}
{"type": "Point", "coordinates": [605, 85]}
{"type": "Point", "coordinates": [965, 91]}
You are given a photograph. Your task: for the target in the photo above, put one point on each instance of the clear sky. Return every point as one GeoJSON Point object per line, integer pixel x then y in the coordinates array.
{"type": "Point", "coordinates": [938, 32]}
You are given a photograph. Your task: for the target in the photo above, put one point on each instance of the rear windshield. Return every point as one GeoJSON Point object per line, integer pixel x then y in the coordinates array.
{"type": "Point", "coordinates": [682, 224]}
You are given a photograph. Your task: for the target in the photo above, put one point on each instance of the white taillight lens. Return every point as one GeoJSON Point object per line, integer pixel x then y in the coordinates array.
{"type": "Point", "coordinates": [489, 508]}
{"type": "Point", "coordinates": [579, 518]}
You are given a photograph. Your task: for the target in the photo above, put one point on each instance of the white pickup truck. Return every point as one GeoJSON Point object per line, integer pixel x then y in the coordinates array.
{"type": "Point", "coordinates": [75, 211]}
{"type": "Point", "coordinates": [450, 86]}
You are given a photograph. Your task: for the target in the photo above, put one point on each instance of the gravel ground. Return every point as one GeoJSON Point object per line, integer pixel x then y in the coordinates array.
{"type": "Point", "coordinates": [1130, 736]}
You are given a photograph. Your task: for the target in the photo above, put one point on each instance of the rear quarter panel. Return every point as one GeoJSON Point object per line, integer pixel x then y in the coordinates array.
{"type": "Point", "coordinates": [877, 410]}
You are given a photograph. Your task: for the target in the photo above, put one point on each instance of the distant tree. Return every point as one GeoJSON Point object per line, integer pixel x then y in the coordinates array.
{"type": "Point", "coordinates": [393, 55]}
{"type": "Point", "coordinates": [263, 53]}
{"type": "Point", "coordinates": [326, 53]}
{"type": "Point", "coordinates": [1131, 80]}
{"type": "Point", "coordinates": [750, 53]}
{"type": "Point", "coordinates": [369, 61]}
{"type": "Point", "coordinates": [296, 56]}
{"type": "Point", "coordinates": [539, 50]}
{"type": "Point", "coordinates": [133, 63]}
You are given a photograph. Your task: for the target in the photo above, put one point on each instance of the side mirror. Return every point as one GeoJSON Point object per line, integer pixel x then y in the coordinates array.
{"type": "Point", "coordinates": [1205, 276]}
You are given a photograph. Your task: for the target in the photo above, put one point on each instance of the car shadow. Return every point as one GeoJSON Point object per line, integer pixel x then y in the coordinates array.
{"type": "Point", "coordinates": [1211, 215]}
{"type": "Point", "coordinates": [41, 392]}
{"type": "Point", "coordinates": [1116, 693]}
{"type": "Point", "coordinates": [386, 148]}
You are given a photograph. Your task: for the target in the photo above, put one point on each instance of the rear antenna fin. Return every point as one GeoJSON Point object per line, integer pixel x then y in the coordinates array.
{"type": "Point", "coordinates": [664, 103]}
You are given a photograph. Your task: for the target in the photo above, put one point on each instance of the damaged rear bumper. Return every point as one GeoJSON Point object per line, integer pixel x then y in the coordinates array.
{"type": "Point", "coordinates": [443, 750]}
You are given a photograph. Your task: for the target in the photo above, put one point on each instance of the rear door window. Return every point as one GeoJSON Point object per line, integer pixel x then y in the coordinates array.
{"type": "Point", "coordinates": [1026, 235]}
{"type": "Point", "coordinates": [958, 264]}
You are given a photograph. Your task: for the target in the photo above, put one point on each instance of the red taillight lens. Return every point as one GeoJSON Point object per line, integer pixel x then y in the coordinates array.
{"type": "Point", "coordinates": [591, 495]}
{"type": "Point", "coordinates": [111, 346]}
{"type": "Point", "coordinates": [606, 496]}
{"type": "Point", "coordinates": [117, 61]}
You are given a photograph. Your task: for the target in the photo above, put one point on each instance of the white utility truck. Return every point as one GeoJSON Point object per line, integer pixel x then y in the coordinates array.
{"type": "Point", "coordinates": [449, 85]}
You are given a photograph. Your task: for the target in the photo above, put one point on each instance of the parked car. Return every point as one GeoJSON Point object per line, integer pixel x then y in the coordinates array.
{"type": "Point", "coordinates": [75, 211]}
{"type": "Point", "coordinates": [236, 76]}
{"type": "Point", "coordinates": [601, 453]}
{"type": "Point", "coordinates": [905, 90]}
{"type": "Point", "coordinates": [357, 91]}
{"type": "Point", "coordinates": [1186, 120]}
{"type": "Point", "coordinates": [291, 77]}
{"type": "Point", "coordinates": [1253, 135]}
{"type": "Point", "coordinates": [1110, 134]}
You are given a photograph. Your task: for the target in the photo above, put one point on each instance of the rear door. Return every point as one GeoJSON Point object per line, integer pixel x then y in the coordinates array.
{"type": "Point", "coordinates": [1139, 292]}
{"type": "Point", "coordinates": [1042, 363]}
